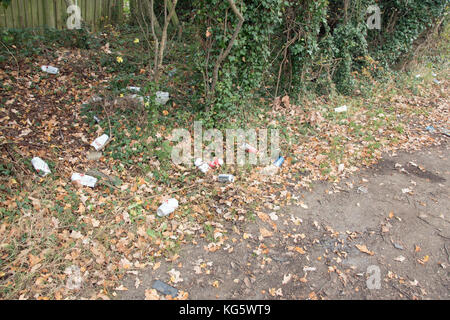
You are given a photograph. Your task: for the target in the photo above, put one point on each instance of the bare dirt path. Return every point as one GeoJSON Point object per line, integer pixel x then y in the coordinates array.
{"type": "Point", "coordinates": [392, 220]}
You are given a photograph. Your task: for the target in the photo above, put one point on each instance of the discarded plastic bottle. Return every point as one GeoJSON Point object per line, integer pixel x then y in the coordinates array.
{"type": "Point", "coordinates": [167, 207]}
{"type": "Point", "coordinates": [40, 165]}
{"type": "Point", "coordinates": [50, 69]}
{"type": "Point", "coordinates": [279, 162]}
{"type": "Point", "coordinates": [225, 178]}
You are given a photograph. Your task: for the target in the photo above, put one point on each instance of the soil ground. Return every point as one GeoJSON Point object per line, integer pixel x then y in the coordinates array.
{"type": "Point", "coordinates": [405, 235]}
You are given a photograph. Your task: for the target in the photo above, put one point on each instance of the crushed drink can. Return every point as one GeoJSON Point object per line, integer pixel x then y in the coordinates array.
{"type": "Point", "coordinates": [84, 180]}
{"type": "Point", "coordinates": [50, 69]}
{"type": "Point", "coordinates": [279, 162]}
{"type": "Point", "coordinates": [225, 178]}
{"type": "Point", "coordinates": [40, 166]}
{"type": "Point", "coordinates": [100, 142]}
{"type": "Point", "coordinates": [216, 163]}
{"type": "Point", "coordinates": [167, 207]}
{"type": "Point", "coordinates": [247, 147]}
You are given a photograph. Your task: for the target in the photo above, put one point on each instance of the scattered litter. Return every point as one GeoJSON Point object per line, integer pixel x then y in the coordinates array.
{"type": "Point", "coordinates": [165, 289]}
{"type": "Point", "coordinates": [249, 148]}
{"type": "Point", "coordinates": [167, 207]}
{"type": "Point", "coordinates": [362, 190]}
{"type": "Point", "coordinates": [135, 89]}
{"type": "Point", "coordinates": [94, 155]}
{"type": "Point", "coordinates": [434, 74]}
{"type": "Point", "coordinates": [97, 120]}
{"type": "Point", "coordinates": [84, 180]}
{"type": "Point", "coordinates": [100, 142]}
{"type": "Point", "coordinates": [162, 97]}
{"type": "Point", "coordinates": [400, 259]}
{"type": "Point", "coordinates": [436, 81]}
{"type": "Point", "coordinates": [341, 167]}
{"type": "Point", "coordinates": [50, 69]}
{"type": "Point", "coordinates": [202, 166]}
{"type": "Point", "coordinates": [40, 166]}
{"type": "Point", "coordinates": [418, 76]}
{"type": "Point", "coordinates": [397, 246]}
{"type": "Point", "coordinates": [225, 178]}
{"type": "Point", "coordinates": [341, 109]}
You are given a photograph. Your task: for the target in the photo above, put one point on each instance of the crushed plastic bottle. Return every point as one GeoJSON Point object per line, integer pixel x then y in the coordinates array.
{"type": "Point", "coordinates": [40, 166]}
{"type": "Point", "coordinates": [50, 69]}
{"type": "Point", "coordinates": [167, 207]}
{"type": "Point", "coordinates": [100, 142]}
{"type": "Point", "coordinates": [84, 180]}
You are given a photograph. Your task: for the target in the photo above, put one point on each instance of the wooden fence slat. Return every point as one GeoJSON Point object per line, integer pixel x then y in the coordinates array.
{"type": "Point", "coordinates": [53, 13]}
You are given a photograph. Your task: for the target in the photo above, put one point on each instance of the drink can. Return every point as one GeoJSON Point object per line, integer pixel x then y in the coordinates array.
{"type": "Point", "coordinates": [225, 178]}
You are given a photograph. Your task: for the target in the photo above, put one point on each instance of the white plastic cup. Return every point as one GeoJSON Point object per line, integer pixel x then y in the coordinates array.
{"type": "Point", "coordinates": [100, 142]}
{"type": "Point", "coordinates": [167, 207]}
{"type": "Point", "coordinates": [40, 166]}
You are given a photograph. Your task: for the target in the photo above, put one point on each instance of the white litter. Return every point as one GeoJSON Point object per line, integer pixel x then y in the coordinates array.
{"type": "Point", "coordinates": [84, 180]}
{"type": "Point", "coordinates": [40, 166]}
{"type": "Point", "coordinates": [135, 89]}
{"type": "Point", "coordinates": [100, 142]}
{"type": "Point", "coordinates": [167, 207]}
{"type": "Point", "coordinates": [162, 97]}
{"type": "Point", "coordinates": [341, 109]}
{"type": "Point", "coordinates": [50, 69]}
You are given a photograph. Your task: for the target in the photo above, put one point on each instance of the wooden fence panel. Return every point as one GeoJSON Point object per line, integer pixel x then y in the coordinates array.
{"type": "Point", "coordinates": [22, 14]}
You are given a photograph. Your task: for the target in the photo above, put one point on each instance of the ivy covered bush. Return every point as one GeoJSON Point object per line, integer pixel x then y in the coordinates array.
{"type": "Point", "coordinates": [288, 46]}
